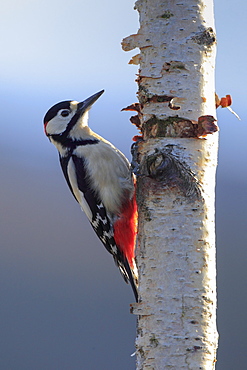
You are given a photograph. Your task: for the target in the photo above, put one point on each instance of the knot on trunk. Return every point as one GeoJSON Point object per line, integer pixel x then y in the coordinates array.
{"type": "Point", "coordinates": [166, 167]}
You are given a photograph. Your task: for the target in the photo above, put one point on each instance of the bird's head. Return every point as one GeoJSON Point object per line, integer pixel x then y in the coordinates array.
{"type": "Point", "coordinates": [64, 117]}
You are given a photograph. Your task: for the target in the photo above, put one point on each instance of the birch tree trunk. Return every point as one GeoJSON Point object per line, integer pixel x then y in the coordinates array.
{"type": "Point", "coordinates": [176, 163]}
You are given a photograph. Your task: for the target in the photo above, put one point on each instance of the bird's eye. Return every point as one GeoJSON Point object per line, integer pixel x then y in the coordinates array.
{"type": "Point", "coordinates": [65, 113]}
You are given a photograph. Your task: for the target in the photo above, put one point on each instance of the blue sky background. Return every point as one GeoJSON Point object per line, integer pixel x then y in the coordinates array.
{"type": "Point", "coordinates": [63, 303]}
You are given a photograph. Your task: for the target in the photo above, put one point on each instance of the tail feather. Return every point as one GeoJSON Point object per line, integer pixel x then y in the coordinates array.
{"type": "Point", "coordinates": [131, 278]}
{"type": "Point", "coordinates": [127, 273]}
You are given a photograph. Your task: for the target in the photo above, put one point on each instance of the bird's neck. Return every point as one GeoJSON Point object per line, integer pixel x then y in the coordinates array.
{"type": "Point", "coordinates": [66, 143]}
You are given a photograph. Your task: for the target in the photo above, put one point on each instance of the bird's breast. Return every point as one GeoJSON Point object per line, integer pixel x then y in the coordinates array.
{"type": "Point", "coordinates": [108, 172]}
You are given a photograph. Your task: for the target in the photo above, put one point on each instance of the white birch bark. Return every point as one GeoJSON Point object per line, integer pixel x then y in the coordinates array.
{"type": "Point", "coordinates": [175, 191]}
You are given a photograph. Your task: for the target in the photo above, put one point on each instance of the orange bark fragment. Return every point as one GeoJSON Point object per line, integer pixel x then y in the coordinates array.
{"type": "Point", "coordinates": [223, 102]}
{"type": "Point", "coordinates": [136, 107]}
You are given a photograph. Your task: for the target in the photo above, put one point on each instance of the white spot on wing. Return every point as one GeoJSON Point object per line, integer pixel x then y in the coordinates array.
{"type": "Point", "coordinates": [114, 249]}
{"type": "Point", "coordinates": [99, 219]}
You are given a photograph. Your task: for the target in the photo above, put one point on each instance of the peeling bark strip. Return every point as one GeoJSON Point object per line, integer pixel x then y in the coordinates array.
{"type": "Point", "coordinates": [175, 162]}
{"type": "Point", "coordinates": [179, 127]}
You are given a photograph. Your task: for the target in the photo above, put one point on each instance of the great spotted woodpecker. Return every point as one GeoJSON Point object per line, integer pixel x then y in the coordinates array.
{"type": "Point", "coordinates": [100, 179]}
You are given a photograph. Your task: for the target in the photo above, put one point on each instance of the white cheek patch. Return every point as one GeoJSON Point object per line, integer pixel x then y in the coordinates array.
{"type": "Point", "coordinates": [56, 126]}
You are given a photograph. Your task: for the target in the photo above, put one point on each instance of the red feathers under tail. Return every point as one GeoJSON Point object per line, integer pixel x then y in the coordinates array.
{"type": "Point", "coordinates": [125, 229]}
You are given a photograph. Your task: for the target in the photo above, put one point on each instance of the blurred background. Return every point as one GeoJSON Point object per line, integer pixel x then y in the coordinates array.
{"type": "Point", "coordinates": [63, 304]}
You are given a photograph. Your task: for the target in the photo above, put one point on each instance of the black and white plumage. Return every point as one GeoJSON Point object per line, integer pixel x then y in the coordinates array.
{"type": "Point", "coordinates": [100, 179]}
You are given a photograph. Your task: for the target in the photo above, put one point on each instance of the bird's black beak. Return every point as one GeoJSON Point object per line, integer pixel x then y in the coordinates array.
{"type": "Point", "coordinates": [86, 104]}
